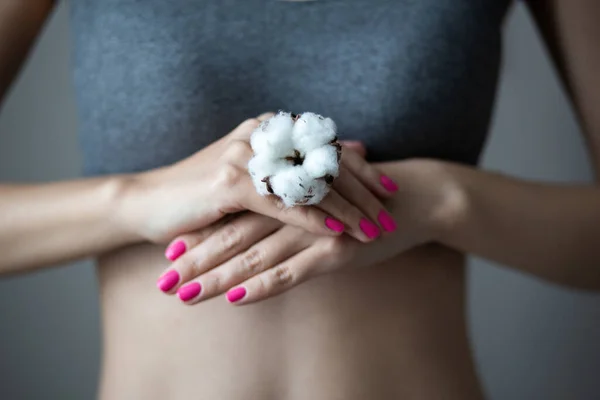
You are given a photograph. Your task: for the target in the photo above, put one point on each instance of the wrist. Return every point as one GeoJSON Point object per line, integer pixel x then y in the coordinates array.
{"type": "Point", "coordinates": [125, 198]}
{"type": "Point", "coordinates": [431, 197]}
{"type": "Point", "coordinates": [452, 201]}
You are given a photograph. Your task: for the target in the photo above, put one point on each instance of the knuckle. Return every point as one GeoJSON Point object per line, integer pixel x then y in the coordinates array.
{"type": "Point", "coordinates": [237, 150]}
{"type": "Point", "coordinates": [364, 168]}
{"type": "Point", "coordinates": [334, 247]}
{"type": "Point", "coordinates": [252, 262]}
{"type": "Point", "coordinates": [212, 283]}
{"type": "Point", "coordinates": [280, 206]}
{"type": "Point", "coordinates": [228, 175]}
{"type": "Point", "coordinates": [193, 264]}
{"type": "Point", "coordinates": [301, 215]}
{"type": "Point", "coordinates": [231, 237]}
{"type": "Point", "coordinates": [282, 276]}
{"type": "Point", "coordinates": [251, 123]}
{"type": "Point", "coordinates": [347, 211]}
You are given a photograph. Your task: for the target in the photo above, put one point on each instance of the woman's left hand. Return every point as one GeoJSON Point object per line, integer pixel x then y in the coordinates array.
{"type": "Point", "coordinates": [253, 257]}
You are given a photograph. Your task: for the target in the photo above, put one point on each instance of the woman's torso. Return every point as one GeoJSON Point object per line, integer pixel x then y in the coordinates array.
{"type": "Point", "coordinates": [157, 81]}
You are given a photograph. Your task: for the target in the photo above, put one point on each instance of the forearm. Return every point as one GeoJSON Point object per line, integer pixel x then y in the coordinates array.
{"type": "Point", "coordinates": [551, 231]}
{"type": "Point", "coordinates": [20, 22]}
{"type": "Point", "coordinates": [42, 225]}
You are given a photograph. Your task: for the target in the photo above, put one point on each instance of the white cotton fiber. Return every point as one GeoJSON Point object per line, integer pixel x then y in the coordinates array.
{"type": "Point", "coordinates": [272, 136]}
{"type": "Point", "coordinates": [261, 167]}
{"type": "Point", "coordinates": [295, 159]}
{"type": "Point", "coordinates": [311, 131]}
{"type": "Point", "coordinates": [321, 162]}
{"type": "Point", "coordinates": [265, 166]}
{"type": "Point", "coordinates": [291, 184]}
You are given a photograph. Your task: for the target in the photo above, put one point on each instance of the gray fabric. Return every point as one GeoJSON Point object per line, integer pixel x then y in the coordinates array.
{"type": "Point", "coordinates": [157, 80]}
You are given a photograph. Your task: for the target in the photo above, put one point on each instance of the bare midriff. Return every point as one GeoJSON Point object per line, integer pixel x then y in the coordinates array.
{"type": "Point", "coordinates": [392, 331]}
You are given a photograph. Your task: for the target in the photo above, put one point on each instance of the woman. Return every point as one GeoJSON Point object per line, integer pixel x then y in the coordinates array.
{"type": "Point", "coordinates": [414, 81]}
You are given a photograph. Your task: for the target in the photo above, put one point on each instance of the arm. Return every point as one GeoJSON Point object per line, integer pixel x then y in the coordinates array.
{"type": "Point", "coordinates": [548, 230]}
{"type": "Point", "coordinates": [20, 23]}
{"type": "Point", "coordinates": [571, 32]}
{"type": "Point", "coordinates": [53, 223]}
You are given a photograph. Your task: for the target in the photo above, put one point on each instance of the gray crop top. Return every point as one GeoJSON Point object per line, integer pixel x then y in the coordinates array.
{"type": "Point", "coordinates": [157, 80]}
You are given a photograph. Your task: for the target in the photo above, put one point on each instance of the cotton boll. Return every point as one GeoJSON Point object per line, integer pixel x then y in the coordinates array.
{"type": "Point", "coordinates": [322, 161]}
{"type": "Point", "coordinates": [259, 141]}
{"type": "Point", "coordinates": [282, 122]}
{"type": "Point", "coordinates": [311, 131]}
{"type": "Point", "coordinates": [295, 187]}
{"type": "Point", "coordinates": [261, 167]}
{"type": "Point", "coordinates": [291, 159]}
{"type": "Point", "coordinates": [273, 137]}
{"type": "Point", "coordinates": [274, 144]}
{"type": "Point", "coordinates": [288, 184]}
{"type": "Point", "coordinates": [329, 126]}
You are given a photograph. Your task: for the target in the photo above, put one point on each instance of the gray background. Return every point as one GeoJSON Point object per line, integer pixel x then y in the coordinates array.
{"type": "Point", "coordinates": [531, 340]}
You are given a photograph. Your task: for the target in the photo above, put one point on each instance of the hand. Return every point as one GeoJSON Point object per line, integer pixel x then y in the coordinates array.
{"type": "Point", "coordinates": [254, 257]}
{"type": "Point", "coordinates": [214, 182]}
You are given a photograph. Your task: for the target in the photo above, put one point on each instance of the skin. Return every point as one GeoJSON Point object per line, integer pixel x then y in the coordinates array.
{"type": "Point", "coordinates": [394, 329]}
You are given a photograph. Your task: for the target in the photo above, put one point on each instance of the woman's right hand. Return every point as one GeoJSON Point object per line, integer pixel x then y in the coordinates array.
{"type": "Point", "coordinates": [214, 182]}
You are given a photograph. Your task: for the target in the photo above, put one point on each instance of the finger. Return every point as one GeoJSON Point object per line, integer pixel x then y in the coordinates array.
{"type": "Point", "coordinates": [182, 243]}
{"type": "Point", "coordinates": [380, 184]}
{"type": "Point", "coordinates": [309, 218]}
{"type": "Point", "coordinates": [352, 217]}
{"type": "Point", "coordinates": [355, 146]}
{"type": "Point", "coordinates": [353, 191]}
{"type": "Point", "coordinates": [278, 279]}
{"type": "Point", "coordinates": [263, 255]}
{"type": "Point", "coordinates": [265, 116]}
{"type": "Point", "coordinates": [223, 244]}
{"type": "Point", "coordinates": [244, 130]}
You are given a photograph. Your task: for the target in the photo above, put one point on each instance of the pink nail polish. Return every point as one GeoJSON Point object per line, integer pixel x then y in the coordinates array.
{"type": "Point", "coordinates": [334, 224]}
{"type": "Point", "coordinates": [175, 250]}
{"type": "Point", "coordinates": [388, 184]}
{"type": "Point", "coordinates": [386, 221]}
{"type": "Point", "coordinates": [369, 228]}
{"type": "Point", "coordinates": [236, 294]}
{"type": "Point", "coordinates": [189, 291]}
{"type": "Point", "coordinates": [168, 280]}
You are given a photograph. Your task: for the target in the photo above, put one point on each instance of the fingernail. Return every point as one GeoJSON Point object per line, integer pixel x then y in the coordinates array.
{"type": "Point", "coordinates": [236, 294]}
{"type": "Point", "coordinates": [388, 184]}
{"type": "Point", "coordinates": [189, 291]}
{"type": "Point", "coordinates": [369, 228]}
{"type": "Point", "coordinates": [386, 221]}
{"type": "Point", "coordinates": [334, 224]}
{"type": "Point", "coordinates": [175, 250]}
{"type": "Point", "coordinates": [168, 280]}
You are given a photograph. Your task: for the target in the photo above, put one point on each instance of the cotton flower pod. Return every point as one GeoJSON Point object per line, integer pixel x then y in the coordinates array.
{"type": "Point", "coordinates": [322, 161]}
{"type": "Point", "coordinates": [272, 137]}
{"type": "Point", "coordinates": [295, 187]}
{"type": "Point", "coordinates": [312, 131]}
{"type": "Point", "coordinates": [261, 168]}
{"type": "Point", "coordinates": [295, 157]}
